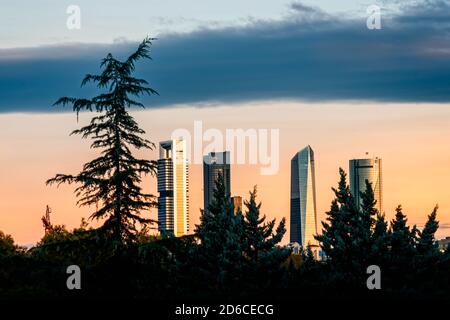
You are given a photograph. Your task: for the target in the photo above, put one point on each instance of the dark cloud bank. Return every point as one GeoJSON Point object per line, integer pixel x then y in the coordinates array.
{"type": "Point", "coordinates": [310, 56]}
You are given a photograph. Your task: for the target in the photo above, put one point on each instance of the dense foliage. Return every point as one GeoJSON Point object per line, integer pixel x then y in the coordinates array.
{"type": "Point", "coordinates": [237, 255]}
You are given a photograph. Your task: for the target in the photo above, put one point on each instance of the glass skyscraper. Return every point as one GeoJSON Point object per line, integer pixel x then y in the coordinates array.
{"type": "Point", "coordinates": [303, 198]}
{"type": "Point", "coordinates": [173, 188]}
{"type": "Point", "coordinates": [215, 163]}
{"type": "Point", "coordinates": [362, 170]}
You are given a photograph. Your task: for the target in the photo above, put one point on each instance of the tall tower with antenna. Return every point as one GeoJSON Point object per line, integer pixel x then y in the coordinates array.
{"type": "Point", "coordinates": [46, 220]}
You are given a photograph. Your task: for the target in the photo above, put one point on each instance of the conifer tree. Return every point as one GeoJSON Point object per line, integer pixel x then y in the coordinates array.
{"type": "Point", "coordinates": [335, 239]}
{"type": "Point", "coordinates": [347, 234]}
{"type": "Point", "coordinates": [260, 236]}
{"type": "Point", "coordinates": [221, 234]}
{"type": "Point", "coordinates": [361, 224]}
{"type": "Point", "coordinates": [402, 239]}
{"type": "Point", "coordinates": [380, 240]}
{"type": "Point", "coordinates": [331, 239]}
{"type": "Point", "coordinates": [368, 205]}
{"type": "Point", "coordinates": [263, 258]}
{"type": "Point", "coordinates": [111, 181]}
{"type": "Point", "coordinates": [426, 244]}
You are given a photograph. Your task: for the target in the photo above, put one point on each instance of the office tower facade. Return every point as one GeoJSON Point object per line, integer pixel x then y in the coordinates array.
{"type": "Point", "coordinates": [237, 204]}
{"type": "Point", "coordinates": [215, 163]}
{"type": "Point", "coordinates": [303, 198]}
{"type": "Point", "coordinates": [173, 188]}
{"type": "Point", "coordinates": [362, 170]}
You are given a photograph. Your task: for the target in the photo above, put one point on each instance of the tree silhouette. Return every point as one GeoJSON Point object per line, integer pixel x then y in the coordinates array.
{"type": "Point", "coordinates": [402, 238]}
{"type": "Point", "coordinates": [336, 239]}
{"type": "Point", "coordinates": [111, 181]}
{"type": "Point", "coordinates": [221, 234]}
{"type": "Point", "coordinates": [347, 236]}
{"type": "Point", "coordinates": [380, 240]}
{"type": "Point", "coordinates": [263, 257]}
{"type": "Point", "coordinates": [427, 243]}
{"type": "Point", "coordinates": [260, 237]}
{"type": "Point", "coordinates": [7, 246]}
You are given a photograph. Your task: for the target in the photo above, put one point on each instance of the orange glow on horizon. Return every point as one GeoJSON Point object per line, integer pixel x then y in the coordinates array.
{"type": "Point", "coordinates": [412, 140]}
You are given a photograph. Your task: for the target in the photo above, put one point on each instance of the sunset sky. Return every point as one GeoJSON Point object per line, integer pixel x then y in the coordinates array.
{"type": "Point", "coordinates": [311, 69]}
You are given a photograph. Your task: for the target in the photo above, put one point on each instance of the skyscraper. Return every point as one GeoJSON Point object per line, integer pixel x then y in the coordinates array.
{"type": "Point", "coordinates": [362, 170]}
{"type": "Point", "coordinates": [303, 198]}
{"type": "Point", "coordinates": [173, 188]}
{"type": "Point", "coordinates": [215, 163]}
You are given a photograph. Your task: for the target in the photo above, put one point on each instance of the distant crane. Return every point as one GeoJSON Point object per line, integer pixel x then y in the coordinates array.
{"type": "Point", "coordinates": [46, 220]}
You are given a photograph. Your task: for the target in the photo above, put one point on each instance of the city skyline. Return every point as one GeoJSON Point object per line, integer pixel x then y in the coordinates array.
{"type": "Point", "coordinates": [294, 119]}
{"type": "Point", "coordinates": [303, 211]}
{"type": "Point", "coordinates": [188, 154]}
{"type": "Point", "coordinates": [344, 94]}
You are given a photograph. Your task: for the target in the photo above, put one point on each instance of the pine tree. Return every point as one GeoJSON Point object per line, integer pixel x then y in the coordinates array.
{"type": "Point", "coordinates": [111, 181]}
{"type": "Point", "coordinates": [368, 205]}
{"type": "Point", "coordinates": [402, 239]}
{"type": "Point", "coordinates": [260, 236]}
{"type": "Point", "coordinates": [361, 225]}
{"type": "Point", "coordinates": [331, 240]}
{"type": "Point", "coordinates": [263, 258]}
{"type": "Point", "coordinates": [221, 234]}
{"type": "Point", "coordinates": [427, 245]}
{"type": "Point", "coordinates": [346, 236]}
{"type": "Point", "coordinates": [335, 239]}
{"type": "Point", "coordinates": [380, 241]}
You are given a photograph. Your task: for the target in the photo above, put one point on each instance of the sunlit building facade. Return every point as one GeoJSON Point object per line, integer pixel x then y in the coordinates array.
{"type": "Point", "coordinates": [362, 170]}
{"type": "Point", "coordinates": [303, 199]}
{"type": "Point", "coordinates": [173, 188]}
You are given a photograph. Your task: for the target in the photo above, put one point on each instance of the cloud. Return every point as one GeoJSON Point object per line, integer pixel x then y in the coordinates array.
{"type": "Point", "coordinates": [309, 55]}
{"type": "Point", "coordinates": [444, 226]}
{"type": "Point", "coordinates": [434, 13]}
{"type": "Point", "coordinates": [304, 9]}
